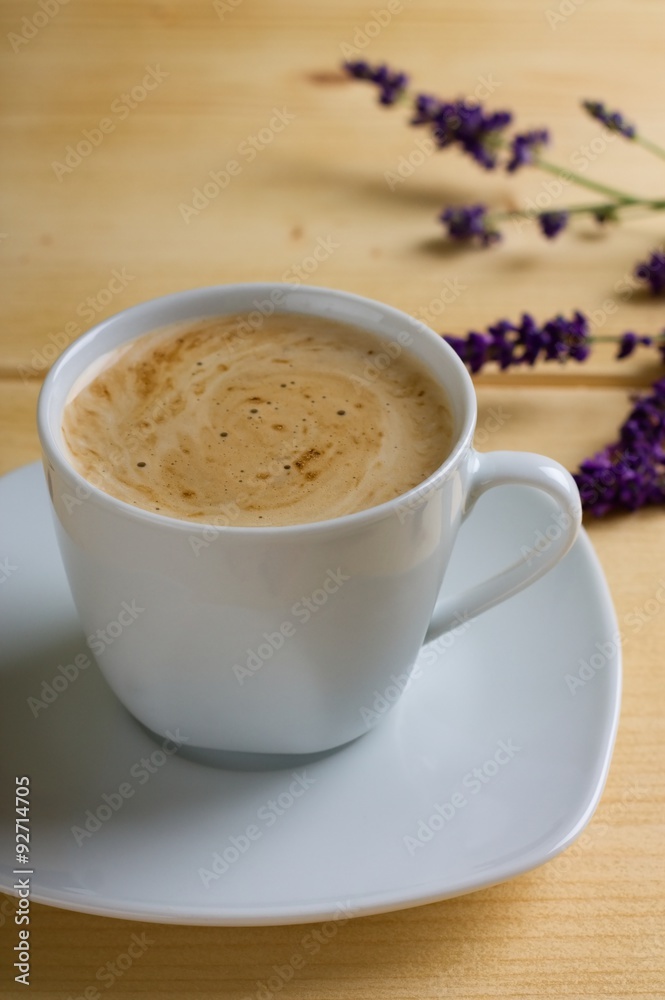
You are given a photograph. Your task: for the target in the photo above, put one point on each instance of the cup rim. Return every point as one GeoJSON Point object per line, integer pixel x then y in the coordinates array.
{"type": "Point", "coordinates": [433, 482]}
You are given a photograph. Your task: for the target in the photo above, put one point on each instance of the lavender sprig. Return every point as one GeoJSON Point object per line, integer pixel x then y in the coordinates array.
{"type": "Point", "coordinates": [653, 272]}
{"type": "Point", "coordinates": [470, 222]}
{"type": "Point", "coordinates": [525, 148]}
{"type": "Point", "coordinates": [524, 343]}
{"type": "Point", "coordinates": [630, 341]}
{"type": "Point", "coordinates": [613, 120]}
{"type": "Point", "coordinates": [552, 223]}
{"type": "Point", "coordinates": [465, 124]}
{"type": "Point", "coordinates": [630, 473]}
{"type": "Point", "coordinates": [391, 84]}
{"type": "Point", "coordinates": [559, 339]}
{"type": "Point", "coordinates": [483, 135]}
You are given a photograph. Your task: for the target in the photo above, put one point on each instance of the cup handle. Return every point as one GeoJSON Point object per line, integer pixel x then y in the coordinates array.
{"type": "Point", "coordinates": [503, 468]}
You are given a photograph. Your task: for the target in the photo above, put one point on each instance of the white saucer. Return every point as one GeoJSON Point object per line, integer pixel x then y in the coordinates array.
{"type": "Point", "coordinates": [360, 833]}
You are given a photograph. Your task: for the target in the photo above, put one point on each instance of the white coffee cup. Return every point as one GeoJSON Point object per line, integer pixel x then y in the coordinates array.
{"type": "Point", "coordinates": [274, 639]}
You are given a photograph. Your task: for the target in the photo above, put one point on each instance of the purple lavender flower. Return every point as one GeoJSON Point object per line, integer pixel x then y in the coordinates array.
{"type": "Point", "coordinates": [503, 343]}
{"type": "Point", "coordinates": [425, 109]}
{"type": "Point", "coordinates": [612, 120]}
{"type": "Point", "coordinates": [631, 472]}
{"type": "Point", "coordinates": [391, 83]}
{"type": "Point", "coordinates": [530, 340]}
{"type": "Point", "coordinates": [653, 271]}
{"type": "Point", "coordinates": [525, 147]}
{"type": "Point", "coordinates": [478, 347]}
{"type": "Point", "coordinates": [606, 213]}
{"type": "Point", "coordinates": [628, 343]}
{"type": "Point", "coordinates": [559, 339]}
{"type": "Point", "coordinates": [469, 222]}
{"type": "Point", "coordinates": [566, 338]}
{"type": "Point", "coordinates": [474, 349]}
{"type": "Point", "coordinates": [552, 223]}
{"type": "Point", "coordinates": [464, 124]}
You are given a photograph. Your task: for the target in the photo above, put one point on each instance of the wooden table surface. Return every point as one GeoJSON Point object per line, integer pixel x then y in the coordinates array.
{"type": "Point", "coordinates": [82, 240]}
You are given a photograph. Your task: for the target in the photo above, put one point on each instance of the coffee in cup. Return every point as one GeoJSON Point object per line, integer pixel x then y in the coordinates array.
{"type": "Point", "coordinates": [299, 419]}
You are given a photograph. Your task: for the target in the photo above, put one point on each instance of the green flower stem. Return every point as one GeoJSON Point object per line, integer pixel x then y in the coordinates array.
{"type": "Point", "coordinates": [617, 196]}
{"type": "Point", "coordinates": [650, 146]}
{"type": "Point", "coordinates": [607, 206]}
{"type": "Point", "coordinates": [616, 340]}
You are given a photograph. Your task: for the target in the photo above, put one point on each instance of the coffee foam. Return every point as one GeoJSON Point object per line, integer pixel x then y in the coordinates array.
{"type": "Point", "coordinates": [301, 419]}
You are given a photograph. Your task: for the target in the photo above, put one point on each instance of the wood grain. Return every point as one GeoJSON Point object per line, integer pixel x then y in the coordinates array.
{"type": "Point", "coordinates": [111, 233]}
